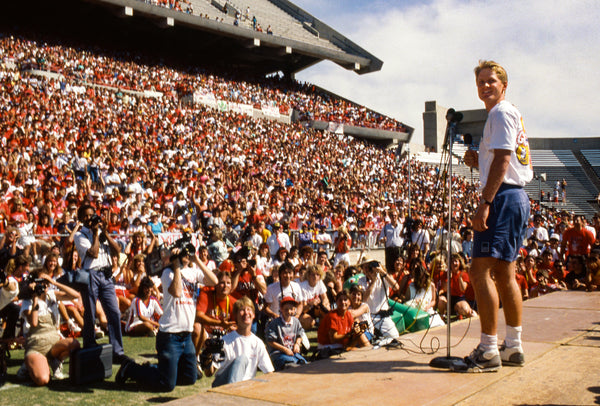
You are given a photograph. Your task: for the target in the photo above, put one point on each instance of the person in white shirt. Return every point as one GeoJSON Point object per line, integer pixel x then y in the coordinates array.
{"type": "Point", "coordinates": [284, 287]}
{"type": "Point", "coordinates": [277, 240]}
{"type": "Point", "coordinates": [176, 352]}
{"type": "Point", "coordinates": [244, 352]}
{"type": "Point", "coordinates": [376, 282]}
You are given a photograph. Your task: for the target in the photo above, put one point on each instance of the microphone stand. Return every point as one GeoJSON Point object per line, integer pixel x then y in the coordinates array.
{"type": "Point", "coordinates": [445, 362]}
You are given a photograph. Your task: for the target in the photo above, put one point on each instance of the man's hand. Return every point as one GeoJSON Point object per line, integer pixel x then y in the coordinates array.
{"type": "Point", "coordinates": [480, 218]}
{"type": "Point", "coordinates": [471, 159]}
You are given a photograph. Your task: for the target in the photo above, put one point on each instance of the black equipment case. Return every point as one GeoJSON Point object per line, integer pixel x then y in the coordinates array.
{"type": "Point", "coordinates": [90, 364]}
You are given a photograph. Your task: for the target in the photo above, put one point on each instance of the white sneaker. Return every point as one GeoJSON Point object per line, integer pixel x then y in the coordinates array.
{"type": "Point", "coordinates": [512, 356]}
{"type": "Point", "coordinates": [99, 332]}
{"type": "Point", "coordinates": [56, 366]}
{"type": "Point", "coordinates": [73, 327]}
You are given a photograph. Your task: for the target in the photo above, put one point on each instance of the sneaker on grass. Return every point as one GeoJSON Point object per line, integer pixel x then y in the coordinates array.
{"type": "Point", "coordinates": [56, 366]}
{"type": "Point", "coordinates": [512, 356]}
{"type": "Point", "coordinates": [478, 361]}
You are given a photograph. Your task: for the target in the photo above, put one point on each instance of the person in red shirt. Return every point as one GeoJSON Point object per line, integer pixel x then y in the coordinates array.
{"type": "Point", "coordinates": [214, 310]}
{"type": "Point", "coordinates": [577, 240]}
{"type": "Point", "coordinates": [459, 285]}
{"type": "Point", "coordinates": [337, 329]}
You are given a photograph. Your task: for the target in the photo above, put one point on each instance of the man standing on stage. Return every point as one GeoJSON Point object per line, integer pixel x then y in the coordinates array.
{"type": "Point", "coordinates": [500, 222]}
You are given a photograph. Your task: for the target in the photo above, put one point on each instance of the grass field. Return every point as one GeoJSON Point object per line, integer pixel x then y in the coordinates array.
{"type": "Point", "coordinates": [21, 393]}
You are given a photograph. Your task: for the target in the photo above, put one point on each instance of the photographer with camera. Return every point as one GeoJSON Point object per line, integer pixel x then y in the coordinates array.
{"type": "Point", "coordinates": [174, 345]}
{"type": "Point", "coordinates": [95, 246]}
{"type": "Point", "coordinates": [376, 283]}
{"type": "Point", "coordinates": [214, 311]}
{"type": "Point", "coordinates": [243, 352]}
{"type": "Point", "coordinates": [338, 329]}
{"type": "Point", "coordinates": [45, 347]}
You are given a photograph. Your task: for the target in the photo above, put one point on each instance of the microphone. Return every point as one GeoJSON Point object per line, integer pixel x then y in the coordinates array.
{"type": "Point", "coordinates": [452, 116]}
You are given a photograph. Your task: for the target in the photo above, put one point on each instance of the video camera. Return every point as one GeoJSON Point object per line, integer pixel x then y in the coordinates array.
{"type": "Point", "coordinates": [213, 349]}
{"type": "Point", "coordinates": [95, 220]}
{"type": "Point", "coordinates": [27, 291]}
{"type": "Point", "coordinates": [154, 263]}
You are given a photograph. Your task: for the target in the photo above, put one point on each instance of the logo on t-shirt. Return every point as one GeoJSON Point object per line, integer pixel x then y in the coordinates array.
{"type": "Point", "coordinates": [522, 150]}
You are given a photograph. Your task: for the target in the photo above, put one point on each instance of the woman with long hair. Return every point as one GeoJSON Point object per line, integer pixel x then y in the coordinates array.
{"type": "Point", "coordinates": [144, 311]}
{"type": "Point", "coordinates": [45, 347]}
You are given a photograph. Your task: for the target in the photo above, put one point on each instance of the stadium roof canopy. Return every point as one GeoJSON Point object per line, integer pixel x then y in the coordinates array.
{"type": "Point", "coordinates": [299, 40]}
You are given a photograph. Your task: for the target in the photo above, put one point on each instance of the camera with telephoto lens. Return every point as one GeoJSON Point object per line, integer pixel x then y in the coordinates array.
{"type": "Point", "coordinates": [95, 220]}
{"type": "Point", "coordinates": [32, 286]}
{"type": "Point", "coordinates": [213, 349]}
{"type": "Point", "coordinates": [40, 287]}
{"type": "Point", "coordinates": [373, 264]}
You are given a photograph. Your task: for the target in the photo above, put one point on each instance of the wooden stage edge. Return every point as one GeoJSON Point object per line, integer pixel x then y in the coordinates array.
{"type": "Point", "coordinates": [561, 339]}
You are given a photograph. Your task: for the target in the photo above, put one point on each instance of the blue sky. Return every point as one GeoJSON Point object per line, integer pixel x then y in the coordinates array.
{"type": "Point", "coordinates": [550, 48]}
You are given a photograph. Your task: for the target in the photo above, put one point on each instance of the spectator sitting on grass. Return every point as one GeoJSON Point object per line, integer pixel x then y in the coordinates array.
{"type": "Point", "coordinates": [244, 352]}
{"type": "Point", "coordinates": [284, 336]}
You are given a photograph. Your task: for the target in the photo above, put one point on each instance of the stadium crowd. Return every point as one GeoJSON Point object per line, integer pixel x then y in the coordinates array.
{"type": "Point", "coordinates": [272, 209]}
{"type": "Point", "coordinates": [82, 67]}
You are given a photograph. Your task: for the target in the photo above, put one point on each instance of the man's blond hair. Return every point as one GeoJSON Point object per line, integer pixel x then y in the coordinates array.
{"type": "Point", "coordinates": [495, 67]}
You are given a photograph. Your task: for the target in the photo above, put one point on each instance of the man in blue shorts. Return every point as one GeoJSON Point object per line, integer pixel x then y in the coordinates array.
{"type": "Point", "coordinates": [500, 223]}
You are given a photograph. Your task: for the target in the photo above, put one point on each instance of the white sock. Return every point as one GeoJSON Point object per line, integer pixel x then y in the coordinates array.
{"type": "Point", "coordinates": [513, 336]}
{"type": "Point", "coordinates": [489, 343]}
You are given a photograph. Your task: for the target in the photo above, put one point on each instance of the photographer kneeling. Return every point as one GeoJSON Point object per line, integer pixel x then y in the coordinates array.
{"type": "Point", "coordinates": [176, 352]}
{"type": "Point", "coordinates": [45, 347]}
{"type": "Point", "coordinates": [242, 351]}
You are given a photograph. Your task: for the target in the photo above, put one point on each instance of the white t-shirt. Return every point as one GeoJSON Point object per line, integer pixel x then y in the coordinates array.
{"type": "Point", "coordinates": [377, 301]}
{"type": "Point", "coordinates": [7, 296]}
{"type": "Point", "coordinates": [310, 292]}
{"type": "Point", "coordinates": [504, 129]}
{"type": "Point", "coordinates": [138, 307]}
{"type": "Point", "coordinates": [48, 306]}
{"type": "Point", "coordinates": [250, 346]}
{"type": "Point", "coordinates": [273, 294]}
{"type": "Point", "coordinates": [180, 312]}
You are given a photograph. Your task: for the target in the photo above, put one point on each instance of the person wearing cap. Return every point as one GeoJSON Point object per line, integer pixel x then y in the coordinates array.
{"type": "Point", "coordinates": [553, 246]}
{"type": "Point", "coordinates": [284, 336]}
{"type": "Point", "coordinates": [278, 240]}
{"type": "Point", "coordinates": [244, 352]}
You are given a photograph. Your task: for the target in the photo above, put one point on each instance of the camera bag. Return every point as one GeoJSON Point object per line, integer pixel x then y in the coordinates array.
{"type": "Point", "coordinates": [90, 364]}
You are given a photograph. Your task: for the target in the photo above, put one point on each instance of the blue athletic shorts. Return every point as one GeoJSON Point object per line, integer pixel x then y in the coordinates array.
{"type": "Point", "coordinates": [507, 225]}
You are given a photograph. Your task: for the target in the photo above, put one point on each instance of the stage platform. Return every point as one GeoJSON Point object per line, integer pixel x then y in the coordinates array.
{"type": "Point", "coordinates": [561, 342]}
